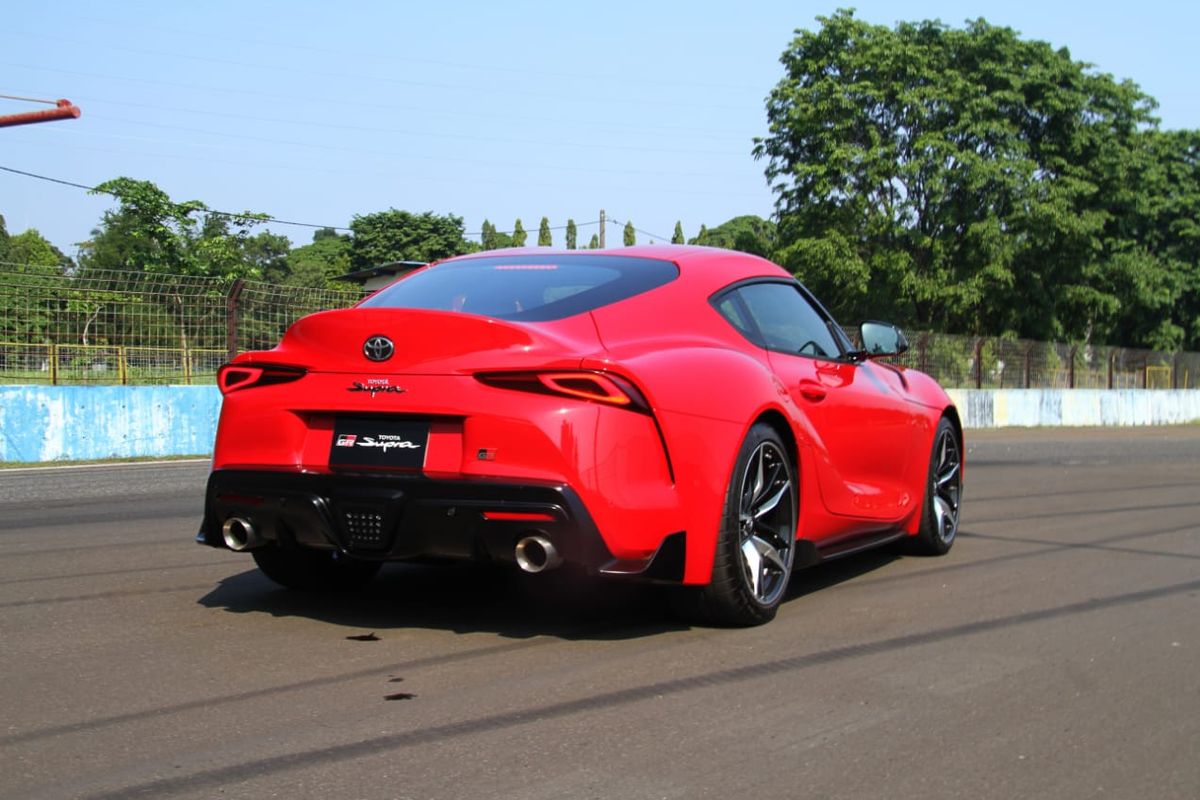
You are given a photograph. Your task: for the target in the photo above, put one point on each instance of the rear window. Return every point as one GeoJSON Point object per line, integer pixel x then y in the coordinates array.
{"type": "Point", "coordinates": [532, 288]}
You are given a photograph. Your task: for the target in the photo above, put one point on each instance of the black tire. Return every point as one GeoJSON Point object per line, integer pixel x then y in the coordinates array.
{"type": "Point", "coordinates": [314, 570]}
{"type": "Point", "coordinates": [756, 546]}
{"type": "Point", "coordinates": [943, 494]}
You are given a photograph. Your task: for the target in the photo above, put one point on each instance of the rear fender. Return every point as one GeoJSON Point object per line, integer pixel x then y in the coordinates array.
{"type": "Point", "coordinates": [706, 399]}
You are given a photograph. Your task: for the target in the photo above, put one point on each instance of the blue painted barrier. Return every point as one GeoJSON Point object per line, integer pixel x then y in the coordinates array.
{"type": "Point", "coordinates": [75, 423]}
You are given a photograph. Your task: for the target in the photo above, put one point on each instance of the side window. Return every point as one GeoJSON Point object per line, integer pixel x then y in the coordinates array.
{"type": "Point", "coordinates": [787, 321]}
{"type": "Point", "coordinates": [733, 310]}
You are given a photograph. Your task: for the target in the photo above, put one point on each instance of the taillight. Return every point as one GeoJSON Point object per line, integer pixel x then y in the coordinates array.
{"type": "Point", "coordinates": [232, 377]}
{"type": "Point", "coordinates": [595, 386]}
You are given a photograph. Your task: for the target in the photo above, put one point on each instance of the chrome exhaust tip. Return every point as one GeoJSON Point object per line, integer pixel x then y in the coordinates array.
{"type": "Point", "coordinates": [536, 554]}
{"type": "Point", "coordinates": [239, 534]}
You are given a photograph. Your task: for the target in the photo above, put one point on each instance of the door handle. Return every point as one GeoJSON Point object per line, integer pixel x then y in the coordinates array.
{"type": "Point", "coordinates": [811, 390]}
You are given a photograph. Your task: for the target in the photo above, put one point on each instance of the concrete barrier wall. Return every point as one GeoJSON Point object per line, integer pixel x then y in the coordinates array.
{"type": "Point", "coordinates": [1001, 408]}
{"type": "Point", "coordinates": [74, 423]}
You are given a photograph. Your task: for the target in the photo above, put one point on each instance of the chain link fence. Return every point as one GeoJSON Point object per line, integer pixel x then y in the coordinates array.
{"type": "Point", "coordinates": [107, 327]}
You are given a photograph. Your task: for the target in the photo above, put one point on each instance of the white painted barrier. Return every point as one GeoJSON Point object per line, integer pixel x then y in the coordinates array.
{"type": "Point", "coordinates": [1033, 408]}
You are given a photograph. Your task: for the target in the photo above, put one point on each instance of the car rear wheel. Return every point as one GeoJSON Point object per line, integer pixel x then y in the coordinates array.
{"type": "Point", "coordinates": [757, 542]}
{"type": "Point", "coordinates": [314, 570]}
{"type": "Point", "coordinates": [943, 494]}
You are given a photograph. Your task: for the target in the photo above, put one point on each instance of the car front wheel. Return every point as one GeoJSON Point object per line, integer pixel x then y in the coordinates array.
{"type": "Point", "coordinates": [943, 493]}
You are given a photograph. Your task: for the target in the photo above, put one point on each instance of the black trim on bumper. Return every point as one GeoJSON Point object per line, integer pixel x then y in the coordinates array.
{"type": "Point", "coordinates": [393, 517]}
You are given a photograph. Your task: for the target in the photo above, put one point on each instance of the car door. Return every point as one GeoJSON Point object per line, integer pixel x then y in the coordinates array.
{"type": "Point", "coordinates": [862, 429]}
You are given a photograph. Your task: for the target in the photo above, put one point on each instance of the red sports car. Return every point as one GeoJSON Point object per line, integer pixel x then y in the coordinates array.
{"type": "Point", "coordinates": [674, 414]}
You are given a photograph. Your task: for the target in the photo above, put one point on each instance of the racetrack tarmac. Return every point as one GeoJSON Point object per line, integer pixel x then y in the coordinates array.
{"type": "Point", "coordinates": [1054, 653]}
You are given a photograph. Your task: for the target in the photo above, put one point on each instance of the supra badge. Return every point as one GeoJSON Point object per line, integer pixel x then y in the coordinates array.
{"type": "Point", "coordinates": [378, 348]}
{"type": "Point", "coordinates": [376, 386]}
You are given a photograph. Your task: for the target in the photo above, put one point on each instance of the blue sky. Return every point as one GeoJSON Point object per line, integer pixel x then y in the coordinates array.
{"type": "Point", "coordinates": [314, 113]}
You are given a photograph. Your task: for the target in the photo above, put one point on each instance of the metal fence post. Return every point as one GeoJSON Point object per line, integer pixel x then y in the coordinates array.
{"type": "Point", "coordinates": [979, 343]}
{"type": "Point", "coordinates": [232, 309]}
{"type": "Point", "coordinates": [1112, 359]}
{"type": "Point", "coordinates": [1071, 366]}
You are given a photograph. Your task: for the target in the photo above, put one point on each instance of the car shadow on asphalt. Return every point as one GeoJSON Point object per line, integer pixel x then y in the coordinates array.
{"type": "Point", "coordinates": [468, 598]}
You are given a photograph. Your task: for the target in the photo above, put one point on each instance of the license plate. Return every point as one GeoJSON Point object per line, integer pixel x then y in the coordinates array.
{"type": "Point", "coordinates": [389, 443]}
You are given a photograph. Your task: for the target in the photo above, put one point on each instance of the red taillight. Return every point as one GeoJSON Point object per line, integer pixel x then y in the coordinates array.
{"type": "Point", "coordinates": [595, 386]}
{"type": "Point", "coordinates": [587, 385]}
{"type": "Point", "coordinates": [233, 377]}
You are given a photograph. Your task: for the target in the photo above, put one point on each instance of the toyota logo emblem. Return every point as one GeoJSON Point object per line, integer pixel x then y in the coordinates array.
{"type": "Point", "coordinates": [378, 348]}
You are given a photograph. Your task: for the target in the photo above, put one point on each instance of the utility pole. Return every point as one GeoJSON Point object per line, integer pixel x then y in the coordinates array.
{"type": "Point", "coordinates": [602, 229]}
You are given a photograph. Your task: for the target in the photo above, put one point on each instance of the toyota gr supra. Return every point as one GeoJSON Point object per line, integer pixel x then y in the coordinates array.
{"type": "Point", "coordinates": [672, 414]}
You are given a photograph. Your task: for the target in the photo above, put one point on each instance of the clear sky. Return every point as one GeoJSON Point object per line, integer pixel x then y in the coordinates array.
{"type": "Point", "coordinates": [315, 112]}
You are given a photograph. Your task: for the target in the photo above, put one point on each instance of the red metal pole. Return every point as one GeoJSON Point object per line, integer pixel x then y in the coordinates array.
{"type": "Point", "coordinates": [64, 110]}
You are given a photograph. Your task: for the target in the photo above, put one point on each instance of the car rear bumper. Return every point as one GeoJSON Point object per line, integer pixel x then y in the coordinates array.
{"type": "Point", "coordinates": [398, 516]}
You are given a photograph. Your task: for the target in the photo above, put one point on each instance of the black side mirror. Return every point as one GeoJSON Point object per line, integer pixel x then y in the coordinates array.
{"type": "Point", "coordinates": [881, 339]}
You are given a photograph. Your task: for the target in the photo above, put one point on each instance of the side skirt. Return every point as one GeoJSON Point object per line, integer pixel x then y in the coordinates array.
{"type": "Point", "coordinates": [808, 553]}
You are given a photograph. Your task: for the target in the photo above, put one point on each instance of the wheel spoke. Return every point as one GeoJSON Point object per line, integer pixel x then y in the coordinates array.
{"type": "Point", "coordinates": [768, 505]}
{"type": "Point", "coordinates": [753, 562]}
{"type": "Point", "coordinates": [947, 475]}
{"type": "Point", "coordinates": [770, 553]}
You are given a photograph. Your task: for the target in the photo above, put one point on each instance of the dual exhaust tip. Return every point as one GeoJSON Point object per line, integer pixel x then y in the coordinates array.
{"type": "Point", "coordinates": [533, 553]}
{"type": "Point", "coordinates": [537, 554]}
{"type": "Point", "coordinates": [239, 534]}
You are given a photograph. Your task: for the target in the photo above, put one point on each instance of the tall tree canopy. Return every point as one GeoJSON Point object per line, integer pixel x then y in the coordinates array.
{"type": "Point", "coordinates": [677, 236]}
{"type": "Point", "coordinates": [395, 235]}
{"type": "Point", "coordinates": [317, 264]}
{"type": "Point", "coordinates": [150, 232]}
{"type": "Point", "coordinates": [971, 181]}
{"type": "Point", "coordinates": [572, 234]}
{"type": "Point", "coordinates": [747, 233]}
{"type": "Point", "coordinates": [544, 237]}
{"type": "Point", "coordinates": [629, 235]}
{"type": "Point", "coordinates": [518, 235]}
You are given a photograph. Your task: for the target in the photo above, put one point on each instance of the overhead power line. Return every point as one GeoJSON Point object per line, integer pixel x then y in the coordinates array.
{"type": "Point", "coordinates": [654, 236]}
{"type": "Point", "coordinates": [227, 214]}
{"type": "Point", "coordinates": [254, 217]}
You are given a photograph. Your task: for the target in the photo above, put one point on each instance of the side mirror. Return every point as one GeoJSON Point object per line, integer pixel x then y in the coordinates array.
{"type": "Point", "coordinates": [881, 339]}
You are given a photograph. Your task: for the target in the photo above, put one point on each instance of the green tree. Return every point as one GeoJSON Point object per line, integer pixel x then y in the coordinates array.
{"type": "Point", "coordinates": [396, 235]}
{"type": "Point", "coordinates": [572, 234]}
{"type": "Point", "coordinates": [34, 272]}
{"type": "Point", "coordinates": [677, 236]}
{"type": "Point", "coordinates": [594, 243]}
{"type": "Point", "coordinates": [487, 236]}
{"type": "Point", "coordinates": [491, 239]}
{"type": "Point", "coordinates": [518, 235]}
{"type": "Point", "coordinates": [953, 179]}
{"type": "Point", "coordinates": [31, 249]}
{"type": "Point", "coordinates": [747, 233]}
{"type": "Point", "coordinates": [629, 236]}
{"type": "Point", "coordinates": [266, 254]}
{"type": "Point", "coordinates": [317, 265]}
{"type": "Point", "coordinates": [148, 232]}
{"type": "Point", "coordinates": [544, 238]}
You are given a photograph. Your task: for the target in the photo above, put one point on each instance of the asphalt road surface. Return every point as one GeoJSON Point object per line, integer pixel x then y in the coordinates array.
{"type": "Point", "coordinates": [1054, 653]}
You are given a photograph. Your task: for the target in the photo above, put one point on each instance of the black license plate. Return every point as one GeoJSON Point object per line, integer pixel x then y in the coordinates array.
{"type": "Point", "coordinates": [398, 444]}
